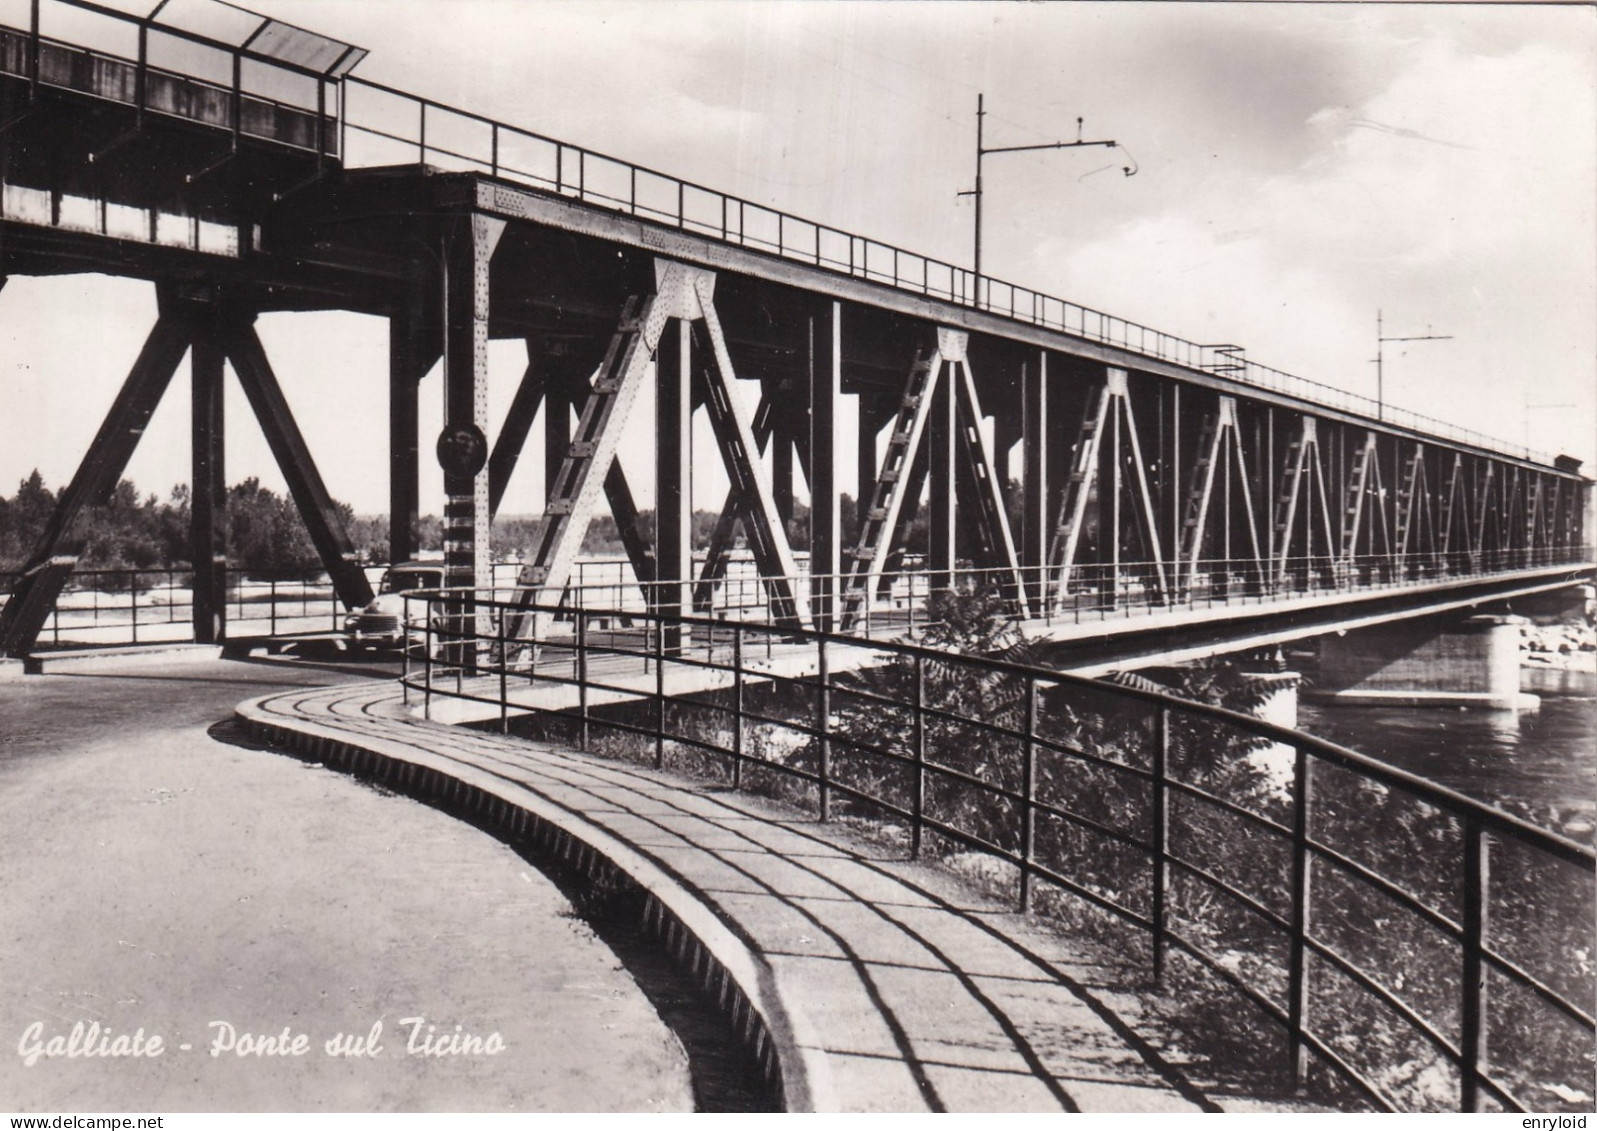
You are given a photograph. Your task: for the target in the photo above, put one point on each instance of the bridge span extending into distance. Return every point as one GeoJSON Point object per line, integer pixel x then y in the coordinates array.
{"type": "Point", "coordinates": [1066, 453]}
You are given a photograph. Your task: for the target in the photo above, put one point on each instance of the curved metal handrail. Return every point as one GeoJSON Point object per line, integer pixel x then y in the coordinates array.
{"type": "Point", "coordinates": [469, 633]}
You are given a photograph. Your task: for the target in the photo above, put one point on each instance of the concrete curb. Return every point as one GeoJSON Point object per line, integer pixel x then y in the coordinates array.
{"type": "Point", "coordinates": [97, 659]}
{"type": "Point", "coordinates": [725, 968]}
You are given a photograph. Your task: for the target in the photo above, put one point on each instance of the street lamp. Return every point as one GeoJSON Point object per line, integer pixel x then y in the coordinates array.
{"type": "Point", "coordinates": [1380, 375]}
{"type": "Point", "coordinates": [982, 151]}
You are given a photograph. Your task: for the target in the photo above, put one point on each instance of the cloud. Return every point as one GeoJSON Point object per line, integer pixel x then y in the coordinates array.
{"type": "Point", "coordinates": [1488, 237]}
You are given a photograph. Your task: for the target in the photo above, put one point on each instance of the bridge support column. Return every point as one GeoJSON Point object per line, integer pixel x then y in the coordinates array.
{"type": "Point", "coordinates": [1282, 691]}
{"type": "Point", "coordinates": [782, 464]}
{"type": "Point", "coordinates": [942, 434]}
{"type": "Point", "coordinates": [826, 389]}
{"type": "Point", "coordinates": [412, 351]}
{"type": "Point", "coordinates": [1035, 468]}
{"type": "Point", "coordinates": [208, 487]}
{"type": "Point", "coordinates": [673, 479]}
{"type": "Point", "coordinates": [1470, 663]}
{"type": "Point", "coordinates": [558, 400]}
{"type": "Point", "coordinates": [874, 412]}
{"type": "Point", "coordinates": [463, 448]}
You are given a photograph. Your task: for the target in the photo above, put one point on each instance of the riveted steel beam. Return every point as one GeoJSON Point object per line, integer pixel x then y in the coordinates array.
{"type": "Point", "coordinates": [1035, 440]}
{"type": "Point", "coordinates": [991, 511]}
{"type": "Point", "coordinates": [895, 484]}
{"type": "Point", "coordinates": [825, 394]}
{"type": "Point", "coordinates": [208, 485]}
{"type": "Point", "coordinates": [720, 546]}
{"type": "Point", "coordinates": [1108, 420]}
{"type": "Point", "coordinates": [735, 438]}
{"type": "Point", "coordinates": [673, 478]}
{"type": "Point", "coordinates": [34, 595]}
{"type": "Point", "coordinates": [468, 248]}
{"type": "Point", "coordinates": [414, 347]}
{"type": "Point", "coordinates": [941, 440]}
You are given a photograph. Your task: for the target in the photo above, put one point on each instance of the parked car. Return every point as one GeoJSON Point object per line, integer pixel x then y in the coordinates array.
{"type": "Point", "coordinates": [380, 624]}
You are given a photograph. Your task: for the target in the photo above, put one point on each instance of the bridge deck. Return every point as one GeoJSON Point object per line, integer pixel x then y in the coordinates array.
{"type": "Point", "coordinates": [885, 985]}
{"type": "Point", "coordinates": [1094, 641]}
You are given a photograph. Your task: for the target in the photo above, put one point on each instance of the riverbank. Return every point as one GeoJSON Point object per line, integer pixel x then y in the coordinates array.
{"type": "Point", "coordinates": [1558, 659]}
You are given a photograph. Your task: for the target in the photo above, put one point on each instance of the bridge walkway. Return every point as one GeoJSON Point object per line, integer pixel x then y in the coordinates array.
{"type": "Point", "coordinates": [884, 985]}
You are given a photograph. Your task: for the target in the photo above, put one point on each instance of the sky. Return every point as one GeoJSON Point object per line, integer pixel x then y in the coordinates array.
{"type": "Point", "coordinates": [1300, 167]}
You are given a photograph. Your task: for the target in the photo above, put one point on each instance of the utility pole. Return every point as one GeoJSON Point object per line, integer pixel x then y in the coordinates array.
{"type": "Point", "coordinates": [1380, 374]}
{"type": "Point", "coordinates": [1529, 408]}
{"type": "Point", "coordinates": [983, 151]}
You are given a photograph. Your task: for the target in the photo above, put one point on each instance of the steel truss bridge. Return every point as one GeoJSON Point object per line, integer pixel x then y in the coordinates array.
{"type": "Point", "coordinates": [1169, 496]}
{"type": "Point", "coordinates": [239, 165]}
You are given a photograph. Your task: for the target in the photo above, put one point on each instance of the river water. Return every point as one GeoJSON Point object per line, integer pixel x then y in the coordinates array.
{"type": "Point", "coordinates": [1540, 765]}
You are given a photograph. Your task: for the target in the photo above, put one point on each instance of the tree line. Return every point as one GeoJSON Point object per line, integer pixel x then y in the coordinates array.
{"type": "Point", "coordinates": [132, 530]}
{"type": "Point", "coordinates": [264, 532]}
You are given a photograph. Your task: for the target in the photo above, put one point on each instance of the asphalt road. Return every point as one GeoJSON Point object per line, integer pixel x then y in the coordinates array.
{"type": "Point", "coordinates": [155, 878]}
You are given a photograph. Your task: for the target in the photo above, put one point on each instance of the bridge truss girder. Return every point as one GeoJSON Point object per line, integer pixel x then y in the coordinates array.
{"type": "Point", "coordinates": [1107, 443]}
{"type": "Point", "coordinates": [1284, 491]}
{"type": "Point", "coordinates": [936, 438]}
{"type": "Point", "coordinates": [698, 358]}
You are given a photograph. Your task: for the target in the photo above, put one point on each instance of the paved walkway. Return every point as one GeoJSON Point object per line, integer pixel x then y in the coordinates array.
{"type": "Point", "coordinates": [155, 878]}
{"type": "Point", "coordinates": [881, 985]}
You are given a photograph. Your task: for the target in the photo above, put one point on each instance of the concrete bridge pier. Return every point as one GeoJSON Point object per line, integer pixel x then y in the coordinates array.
{"type": "Point", "coordinates": [1280, 706]}
{"type": "Point", "coordinates": [1468, 663]}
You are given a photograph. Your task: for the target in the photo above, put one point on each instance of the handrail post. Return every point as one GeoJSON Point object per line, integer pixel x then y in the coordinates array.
{"type": "Point", "coordinates": [1472, 1011]}
{"type": "Point", "coordinates": [1161, 838]}
{"type": "Point", "coordinates": [582, 676]}
{"type": "Point", "coordinates": [465, 646]}
{"type": "Point", "coordinates": [1028, 812]}
{"type": "Point", "coordinates": [504, 666]}
{"type": "Point", "coordinates": [823, 711]}
{"type": "Point", "coordinates": [321, 125]}
{"type": "Point", "coordinates": [918, 800]}
{"type": "Point", "coordinates": [659, 692]}
{"type": "Point", "coordinates": [737, 706]}
{"type": "Point", "coordinates": [427, 665]}
{"type": "Point", "coordinates": [1297, 975]}
{"type": "Point", "coordinates": [404, 639]}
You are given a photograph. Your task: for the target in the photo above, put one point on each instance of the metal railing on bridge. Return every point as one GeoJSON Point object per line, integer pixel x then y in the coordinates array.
{"type": "Point", "coordinates": [381, 125]}
{"type": "Point", "coordinates": [103, 607]}
{"type": "Point", "coordinates": [142, 606]}
{"type": "Point", "coordinates": [1385, 925]}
